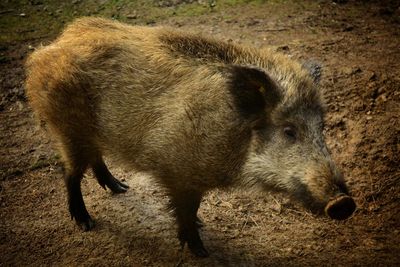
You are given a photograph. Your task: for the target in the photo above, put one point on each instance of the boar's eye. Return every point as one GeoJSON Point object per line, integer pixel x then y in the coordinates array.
{"type": "Point", "coordinates": [290, 132]}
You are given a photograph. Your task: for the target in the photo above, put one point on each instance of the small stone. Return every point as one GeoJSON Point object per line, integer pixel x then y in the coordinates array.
{"type": "Point", "coordinates": [347, 71]}
{"type": "Point", "coordinates": [381, 90]}
{"type": "Point", "coordinates": [132, 16]}
{"type": "Point", "coordinates": [22, 15]}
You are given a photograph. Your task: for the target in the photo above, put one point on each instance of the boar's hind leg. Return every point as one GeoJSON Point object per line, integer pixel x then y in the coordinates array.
{"type": "Point", "coordinates": [105, 178]}
{"type": "Point", "coordinates": [185, 206]}
{"type": "Point", "coordinates": [76, 204]}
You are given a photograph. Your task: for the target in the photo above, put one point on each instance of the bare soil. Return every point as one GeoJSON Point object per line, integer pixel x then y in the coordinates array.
{"type": "Point", "coordinates": [358, 44]}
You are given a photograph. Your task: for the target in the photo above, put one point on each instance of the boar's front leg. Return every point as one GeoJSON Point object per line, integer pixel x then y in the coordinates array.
{"type": "Point", "coordinates": [185, 205]}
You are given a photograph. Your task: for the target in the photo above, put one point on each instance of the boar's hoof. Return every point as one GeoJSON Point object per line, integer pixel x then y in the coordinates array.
{"type": "Point", "coordinates": [106, 179]}
{"type": "Point", "coordinates": [114, 184]}
{"type": "Point", "coordinates": [194, 243]}
{"type": "Point", "coordinates": [340, 208]}
{"type": "Point", "coordinates": [118, 187]}
{"type": "Point", "coordinates": [198, 249]}
{"type": "Point", "coordinates": [86, 225]}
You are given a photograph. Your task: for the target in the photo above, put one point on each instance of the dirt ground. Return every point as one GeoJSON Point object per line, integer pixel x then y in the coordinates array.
{"type": "Point", "coordinates": [358, 44]}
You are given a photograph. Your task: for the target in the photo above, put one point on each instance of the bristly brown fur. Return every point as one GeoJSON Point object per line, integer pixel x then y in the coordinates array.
{"type": "Point", "coordinates": [199, 47]}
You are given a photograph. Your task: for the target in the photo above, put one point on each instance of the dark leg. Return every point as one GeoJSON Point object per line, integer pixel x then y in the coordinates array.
{"type": "Point", "coordinates": [185, 206]}
{"type": "Point", "coordinates": [77, 207]}
{"type": "Point", "coordinates": [105, 178]}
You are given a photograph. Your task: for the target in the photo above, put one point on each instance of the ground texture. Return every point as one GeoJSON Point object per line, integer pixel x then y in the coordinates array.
{"type": "Point", "coordinates": [358, 44]}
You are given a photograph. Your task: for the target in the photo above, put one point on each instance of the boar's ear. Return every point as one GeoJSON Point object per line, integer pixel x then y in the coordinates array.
{"type": "Point", "coordinates": [314, 69]}
{"type": "Point", "coordinates": [253, 90]}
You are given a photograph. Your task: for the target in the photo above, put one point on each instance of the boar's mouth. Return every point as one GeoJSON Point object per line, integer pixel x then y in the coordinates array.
{"type": "Point", "coordinates": [303, 194]}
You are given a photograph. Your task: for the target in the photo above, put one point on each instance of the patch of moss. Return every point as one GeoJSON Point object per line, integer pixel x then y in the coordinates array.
{"type": "Point", "coordinates": [40, 163]}
{"type": "Point", "coordinates": [27, 20]}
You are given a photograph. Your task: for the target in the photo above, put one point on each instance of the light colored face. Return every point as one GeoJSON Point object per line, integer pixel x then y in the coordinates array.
{"type": "Point", "coordinates": [289, 154]}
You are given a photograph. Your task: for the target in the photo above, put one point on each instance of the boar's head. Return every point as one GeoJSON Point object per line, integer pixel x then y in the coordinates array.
{"type": "Point", "coordinates": [287, 150]}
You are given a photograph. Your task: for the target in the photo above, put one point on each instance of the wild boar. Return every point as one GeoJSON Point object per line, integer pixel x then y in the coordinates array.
{"type": "Point", "coordinates": [195, 112]}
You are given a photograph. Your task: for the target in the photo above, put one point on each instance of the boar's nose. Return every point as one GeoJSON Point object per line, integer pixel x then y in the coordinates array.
{"type": "Point", "coordinates": [341, 207]}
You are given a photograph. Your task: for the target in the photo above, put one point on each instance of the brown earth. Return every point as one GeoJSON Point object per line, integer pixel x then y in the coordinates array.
{"type": "Point", "coordinates": [357, 42]}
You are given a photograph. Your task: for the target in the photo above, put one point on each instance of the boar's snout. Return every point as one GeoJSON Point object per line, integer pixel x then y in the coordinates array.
{"type": "Point", "coordinates": [341, 207]}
